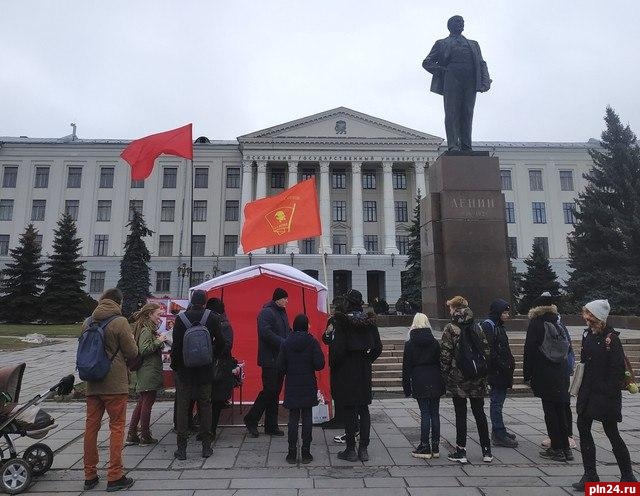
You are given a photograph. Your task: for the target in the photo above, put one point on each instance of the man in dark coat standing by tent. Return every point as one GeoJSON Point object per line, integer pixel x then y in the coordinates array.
{"type": "Point", "coordinates": [273, 329]}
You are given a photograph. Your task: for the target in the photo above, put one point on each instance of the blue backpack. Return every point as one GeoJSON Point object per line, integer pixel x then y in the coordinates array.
{"type": "Point", "coordinates": [92, 361]}
{"type": "Point", "coordinates": [197, 349]}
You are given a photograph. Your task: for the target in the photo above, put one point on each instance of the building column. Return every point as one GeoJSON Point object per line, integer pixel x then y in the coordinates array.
{"type": "Point", "coordinates": [421, 184]}
{"type": "Point", "coordinates": [357, 239]}
{"type": "Point", "coordinates": [261, 190]}
{"type": "Point", "coordinates": [246, 195]}
{"type": "Point", "coordinates": [325, 209]}
{"type": "Point", "coordinates": [389, 210]}
{"type": "Point", "coordinates": [292, 246]}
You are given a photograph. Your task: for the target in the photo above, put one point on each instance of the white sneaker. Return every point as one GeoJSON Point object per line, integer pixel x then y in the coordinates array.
{"type": "Point", "coordinates": [342, 438]}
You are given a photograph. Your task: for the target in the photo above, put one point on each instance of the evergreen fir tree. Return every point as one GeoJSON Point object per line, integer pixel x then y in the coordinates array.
{"type": "Point", "coordinates": [22, 281]}
{"type": "Point", "coordinates": [605, 246]}
{"type": "Point", "coordinates": [134, 268]}
{"type": "Point", "coordinates": [413, 275]}
{"type": "Point", "coordinates": [63, 300]}
{"type": "Point", "coordinates": [515, 286]}
{"type": "Point", "coordinates": [538, 278]}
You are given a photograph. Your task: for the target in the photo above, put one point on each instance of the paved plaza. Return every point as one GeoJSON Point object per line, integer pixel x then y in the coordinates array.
{"type": "Point", "coordinates": [242, 465]}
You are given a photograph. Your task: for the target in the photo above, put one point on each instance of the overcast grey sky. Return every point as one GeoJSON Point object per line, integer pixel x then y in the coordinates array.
{"type": "Point", "coordinates": [125, 69]}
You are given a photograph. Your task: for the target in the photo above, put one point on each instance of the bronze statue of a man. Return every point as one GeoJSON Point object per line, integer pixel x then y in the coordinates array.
{"type": "Point", "coordinates": [459, 71]}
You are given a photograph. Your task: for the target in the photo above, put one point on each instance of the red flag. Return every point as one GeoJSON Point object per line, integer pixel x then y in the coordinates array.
{"type": "Point", "coordinates": [142, 153]}
{"type": "Point", "coordinates": [287, 216]}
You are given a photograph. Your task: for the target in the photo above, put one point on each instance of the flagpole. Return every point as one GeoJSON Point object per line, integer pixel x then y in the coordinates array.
{"type": "Point", "coordinates": [324, 270]}
{"type": "Point", "coordinates": [191, 230]}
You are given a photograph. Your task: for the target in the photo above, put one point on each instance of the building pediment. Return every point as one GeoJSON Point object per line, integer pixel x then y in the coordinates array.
{"type": "Point", "coordinates": [340, 125]}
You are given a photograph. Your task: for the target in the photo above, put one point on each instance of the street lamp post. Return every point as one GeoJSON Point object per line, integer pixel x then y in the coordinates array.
{"type": "Point", "coordinates": [216, 265]}
{"type": "Point", "coordinates": [183, 271]}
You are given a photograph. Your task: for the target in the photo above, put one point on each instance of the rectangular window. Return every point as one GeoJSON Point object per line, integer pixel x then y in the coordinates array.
{"type": "Point", "coordinates": [169, 177]}
{"type": "Point", "coordinates": [339, 179]}
{"type": "Point", "coordinates": [505, 179]}
{"type": "Point", "coordinates": [100, 245]}
{"type": "Point", "coordinates": [569, 209]}
{"type": "Point", "coordinates": [340, 244]}
{"type": "Point", "coordinates": [9, 176]}
{"type": "Point", "coordinates": [402, 214]}
{"type": "Point", "coordinates": [307, 174]}
{"type": "Point", "coordinates": [544, 243]}
{"type": "Point", "coordinates": [4, 244]}
{"type": "Point", "coordinates": [6, 209]}
{"type": "Point", "coordinates": [39, 240]}
{"type": "Point", "coordinates": [104, 211]}
{"type": "Point", "coordinates": [197, 277]}
{"type": "Point", "coordinates": [199, 210]}
{"type": "Point", "coordinates": [74, 177]}
{"type": "Point", "coordinates": [198, 242]}
{"type": "Point", "coordinates": [230, 245]}
{"type": "Point", "coordinates": [277, 249]}
{"type": "Point", "coordinates": [512, 245]}
{"type": "Point", "coordinates": [38, 208]}
{"type": "Point", "coordinates": [566, 180]}
{"type": "Point", "coordinates": [233, 177]}
{"type": "Point", "coordinates": [308, 246]}
{"type": "Point", "coordinates": [399, 179]}
{"type": "Point", "coordinates": [106, 177]}
{"type": "Point", "coordinates": [539, 213]}
{"type": "Point", "coordinates": [163, 282]}
{"type": "Point", "coordinates": [277, 179]}
{"type": "Point", "coordinates": [368, 180]}
{"type": "Point", "coordinates": [201, 179]}
{"type": "Point", "coordinates": [231, 210]}
{"type": "Point", "coordinates": [371, 243]}
{"type": "Point", "coordinates": [369, 211]}
{"type": "Point", "coordinates": [134, 205]}
{"type": "Point", "coordinates": [168, 210]}
{"type": "Point", "coordinates": [402, 243]}
{"type": "Point", "coordinates": [137, 184]}
{"type": "Point", "coordinates": [339, 211]}
{"type": "Point", "coordinates": [96, 281]}
{"type": "Point", "coordinates": [510, 212]}
{"type": "Point", "coordinates": [72, 208]}
{"type": "Point", "coordinates": [535, 180]}
{"type": "Point", "coordinates": [42, 177]}
{"type": "Point", "coordinates": [165, 247]}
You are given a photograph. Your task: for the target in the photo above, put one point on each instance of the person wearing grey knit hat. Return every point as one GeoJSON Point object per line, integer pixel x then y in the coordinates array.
{"type": "Point", "coordinates": [599, 309]}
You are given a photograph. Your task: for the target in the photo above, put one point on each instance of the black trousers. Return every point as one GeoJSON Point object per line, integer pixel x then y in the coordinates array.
{"type": "Point", "coordinates": [294, 419]}
{"type": "Point", "coordinates": [351, 416]}
{"type": "Point", "coordinates": [267, 401]}
{"type": "Point", "coordinates": [555, 417]}
{"type": "Point", "coordinates": [588, 447]}
{"type": "Point", "coordinates": [202, 393]}
{"type": "Point", "coordinates": [216, 408]}
{"type": "Point", "coordinates": [459, 100]}
{"type": "Point", "coordinates": [477, 408]}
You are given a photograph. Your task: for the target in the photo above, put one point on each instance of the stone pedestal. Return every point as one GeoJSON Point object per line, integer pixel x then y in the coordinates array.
{"type": "Point", "coordinates": [463, 235]}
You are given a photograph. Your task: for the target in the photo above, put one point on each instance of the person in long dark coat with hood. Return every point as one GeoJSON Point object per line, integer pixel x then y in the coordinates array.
{"type": "Point", "coordinates": [421, 378]}
{"type": "Point", "coordinates": [355, 347]}
{"type": "Point", "coordinates": [548, 379]}
{"type": "Point", "coordinates": [599, 397]}
{"type": "Point", "coordinates": [501, 367]}
{"type": "Point", "coordinates": [300, 356]}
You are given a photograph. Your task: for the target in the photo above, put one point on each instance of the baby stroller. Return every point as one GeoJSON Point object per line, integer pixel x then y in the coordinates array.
{"type": "Point", "coordinates": [24, 420]}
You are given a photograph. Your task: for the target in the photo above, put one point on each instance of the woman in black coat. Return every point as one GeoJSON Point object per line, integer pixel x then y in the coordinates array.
{"type": "Point", "coordinates": [422, 379]}
{"type": "Point", "coordinates": [600, 395]}
{"type": "Point", "coordinates": [300, 356]}
{"type": "Point", "coordinates": [549, 380]}
{"type": "Point", "coordinates": [356, 345]}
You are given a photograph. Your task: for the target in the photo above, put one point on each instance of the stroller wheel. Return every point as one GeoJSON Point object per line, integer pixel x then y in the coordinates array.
{"type": "Point", "coordinates": [40, 457]}
{"type": "Point", "coordinates": [15, 476]}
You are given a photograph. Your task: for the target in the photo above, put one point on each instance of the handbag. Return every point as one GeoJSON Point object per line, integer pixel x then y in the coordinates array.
{"type": "Point", "coordinates": [576, 379]}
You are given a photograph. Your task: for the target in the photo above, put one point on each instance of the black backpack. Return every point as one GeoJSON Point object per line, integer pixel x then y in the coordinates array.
{"type": "Point", "coordinates": [556, 343]}
{"type": "Point", "coordinates": [470, 357]}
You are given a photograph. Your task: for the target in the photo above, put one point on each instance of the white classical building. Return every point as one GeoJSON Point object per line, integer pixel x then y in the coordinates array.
{"type": "Point", "coordinates": [368, 171]}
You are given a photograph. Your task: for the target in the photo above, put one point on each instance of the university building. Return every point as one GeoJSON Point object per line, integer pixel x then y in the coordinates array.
{"type": "Point", "coordinates": [368, 173]}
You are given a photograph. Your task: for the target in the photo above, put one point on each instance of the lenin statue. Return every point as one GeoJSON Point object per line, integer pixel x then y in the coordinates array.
{"type": "Point", "coordinates": [458, 73]}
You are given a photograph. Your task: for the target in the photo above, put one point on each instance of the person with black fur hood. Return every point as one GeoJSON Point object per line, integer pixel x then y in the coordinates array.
{"type": "Point", "coordinates": [356, 345]}
{"type": "Point", "coordinates": [501, 367]}
{"type": "Point", "coordinates": [300, 356]}
{"type": "Point", "coordinates": [546, 349]}
{"type": "Point", "coordinates": [421, 378]}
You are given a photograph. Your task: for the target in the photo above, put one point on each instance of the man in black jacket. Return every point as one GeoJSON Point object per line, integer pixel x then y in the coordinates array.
{"type": "Point", "coordinates": [501, 367]}
{"type": "Point", "coordinates": [194, 381]}
{"type": "Point", "coordinates": [273, 329]}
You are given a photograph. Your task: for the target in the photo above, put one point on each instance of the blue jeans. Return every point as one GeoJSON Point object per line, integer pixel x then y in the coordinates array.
{"type": "Point", "coordinates": [497, 397]}
{"type": "Point", "coordinates": [429, 420]}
